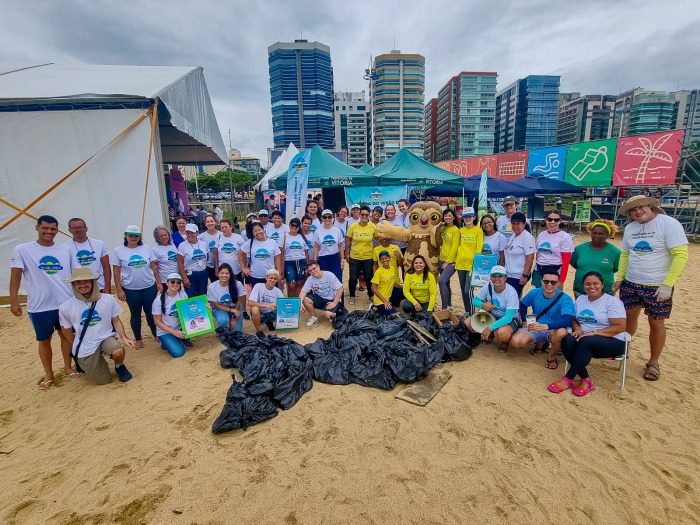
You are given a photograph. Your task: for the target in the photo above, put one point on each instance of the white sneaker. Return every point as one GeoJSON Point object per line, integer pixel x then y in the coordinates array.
{"type": "Point", "coordinates": [312, 321]}
{"type": "Point", "coordinates": [352, 300]}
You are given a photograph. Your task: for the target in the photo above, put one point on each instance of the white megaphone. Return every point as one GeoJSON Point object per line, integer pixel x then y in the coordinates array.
{"type": "Point", "coordinates": [481, 320]}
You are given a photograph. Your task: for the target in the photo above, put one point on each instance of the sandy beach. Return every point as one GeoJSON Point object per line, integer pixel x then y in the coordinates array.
{"type": "Point", "coordinates": [492, 447]}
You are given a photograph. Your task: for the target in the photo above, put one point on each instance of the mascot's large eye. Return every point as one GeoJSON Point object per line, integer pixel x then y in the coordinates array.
{"type": "Point", "coordinates": [435, 218]}
{"type": "Point", "coordinates": [414, 216]}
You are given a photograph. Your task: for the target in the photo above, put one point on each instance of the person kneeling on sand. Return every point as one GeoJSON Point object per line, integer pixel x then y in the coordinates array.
{"type": "Point", "coordinates": [263, 302]}
{"type": "Point", "coordinates": [89, 321]}
{"type": "Point", "coordinates": [552, 314]}
{"type": "Point", "coordinates": [321, 290]}
{"type": "Point", "coordinates": [501, 300]}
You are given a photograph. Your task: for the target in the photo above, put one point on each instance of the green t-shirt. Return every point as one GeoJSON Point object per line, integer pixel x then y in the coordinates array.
{"type": "Point", "coordinates": [605, 261]}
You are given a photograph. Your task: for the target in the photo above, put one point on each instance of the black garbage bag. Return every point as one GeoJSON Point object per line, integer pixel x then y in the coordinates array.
{"type": "Point", "coordinates": [334, 366]}
{"type": "Point", "coordinates": [290, 389]}
{"type": "Point", "coordinates": [243, 409]}
{"type": "Point", "coordinates": [426, 321]}
{"type": "Point", "coordinates": [455, 341]}
{"type": "Point", "coordinates": [371, 370]}
{"type": "Point", "coordinates": [406, 360]}
{"type": "Point", "coordinates": [238, 346]}
{"type": "Point", "coordinates": [391, 327]}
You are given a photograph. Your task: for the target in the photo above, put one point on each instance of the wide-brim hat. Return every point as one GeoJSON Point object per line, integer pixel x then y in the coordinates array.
{"type": "Point", "coordinates": [641, 200]}
{"type": "Point", "coordinates": [84, 274]}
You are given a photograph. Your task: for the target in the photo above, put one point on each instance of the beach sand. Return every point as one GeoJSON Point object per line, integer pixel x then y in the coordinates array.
{"type": "Point", "coordinates": [492, 447]}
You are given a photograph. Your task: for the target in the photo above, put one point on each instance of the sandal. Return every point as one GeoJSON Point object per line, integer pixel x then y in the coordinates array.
{"type": "Point", "coordinates": [503, 348]}
{"type": "Point", "coordinates": [560, 386]}
{"type": "Point", "coordinates": [585, 387]}
{"type": "Point", "coordinates": [44, 384]}
{"type": "Point", "coordinates": [73, 374]}
{"type": "Point", "coordinates": [653, 371]}
{"type": "Point", "coordinates": [552, 363]}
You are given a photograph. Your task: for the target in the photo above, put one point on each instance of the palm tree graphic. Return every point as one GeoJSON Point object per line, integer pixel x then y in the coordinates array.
{"type": "Point", "coordinates": [650, 151]}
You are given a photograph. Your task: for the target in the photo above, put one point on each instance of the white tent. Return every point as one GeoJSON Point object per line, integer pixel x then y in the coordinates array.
{"type": "Point", "coordinates": [280, 166]}
{"type": "Point", "coordinates": [85, 141]}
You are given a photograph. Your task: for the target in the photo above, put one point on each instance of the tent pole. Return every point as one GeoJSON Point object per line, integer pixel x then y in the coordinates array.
{"type": "Point", "coordinates": [154, 126]}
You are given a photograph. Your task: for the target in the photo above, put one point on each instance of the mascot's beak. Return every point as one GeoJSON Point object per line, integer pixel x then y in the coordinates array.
{"type": "Point", "coordinates": [424, 219]}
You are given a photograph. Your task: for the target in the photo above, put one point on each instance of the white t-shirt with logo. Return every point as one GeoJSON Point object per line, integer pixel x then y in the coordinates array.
{"type": "Point", "coordinates": [596, 315]}
{"type": "Point", "coordinates": [217, 293]}
{"type": "Point", "coordinates": [194, 255]}
{"type": "Point", "coordinates": [504, 226]}
{"type": "Point", "coordinates": [170, 317]}
{"type": "Point", "coordinates": [294, 248]}
{"type": "Point", "coordinates": [228, 251]}
{"type": "Point", "coordinates": [210, 240]}
{"type": "Point", "coordinates": [517, 248]}
{"type": "Point", "coordinates": [166, 259]}
{"type": "Point", "coordinates": [261, 294]}
{"type": "Point", "coordinates": [342, 226]}
{"type": "Point", "coordinates": [328, 240]}
{"type": "Point", "coordinates": [324, 287]}
{"type": "Point", "coordinates": [136, 266]}
{"type": "Point", "coordinates": [648, 246]}
{"type": "Point", "coordinates": [276, 234]}
{"type": "Point", "coordinates": [316, 224]}
{"type": "Point", "coordinates": [74, 313]}
{"type": "Point", "coordinates": [88, 254]}
{"type": "Point", "coordinates": [44, 269]}
{"type": "Point", "coordinates": [550, 246]}
{"type": "Point", "coordinates": [494, 244]}
{"type": "Point", "coordinates": [263, 256]}
{"type": "Point", "coordinates": [505, 300]}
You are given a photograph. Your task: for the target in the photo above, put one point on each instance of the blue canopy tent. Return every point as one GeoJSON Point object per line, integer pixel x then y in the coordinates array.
{"type": "Point", "coordinates": [496, 188]}
{"type": "Point", "coordinates": [546, 186]}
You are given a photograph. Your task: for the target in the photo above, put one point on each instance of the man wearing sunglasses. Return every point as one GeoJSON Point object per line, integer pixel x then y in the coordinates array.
{"type": "Point", "coordinates": [552, 313]}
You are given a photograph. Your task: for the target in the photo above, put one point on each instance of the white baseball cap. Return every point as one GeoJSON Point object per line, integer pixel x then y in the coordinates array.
{"type": "Point", "coordinates": [498, 270]}
{"type": "Point", "coordinates": [132, 229]}
{"type": "Point", "coordinates": [191, 228]}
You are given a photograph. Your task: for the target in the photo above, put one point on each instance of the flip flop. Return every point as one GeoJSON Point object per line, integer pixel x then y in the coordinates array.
{"type": "Point", "coordinates": [551, 361]}
{"type": "Point", "coordinates": [44, 384]}
{"type": "Point", "coordinates": [72, 375]}
{"type": "Point", "coordinates": [653, 372]}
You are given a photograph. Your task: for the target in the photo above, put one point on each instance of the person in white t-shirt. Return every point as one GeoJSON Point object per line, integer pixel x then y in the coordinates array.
{"type": "Point", "coordinates": [192, 262]}
{"type": "Point", "coordinates": [654, 253]}
{"type": "Point", "coordinates": [263, 302]}
{"type": "Point", "coordinates": [218, 213]}
{"type": "Point", "coordinates": [494, 241]}
{"type": "Point", "coordinates": [329, 246]}
{"type": "Point", "coordinates": [519, 253]}
{"type": "Point", "coordinates": [169, 330]}
{"type": "Point", "coordinates": [354, 216]}
{"type": "Point", "coordinates": [210, 237]}
{"type": "Point", "coordinates": [44, 266]}
{"type": "Point", "coordinates": [98, 323]}
{"type": "Point", "coordinates": [598, 331]}
{"type": "Point", "coordinates": [259, 255]}
{"type": "Point", "coordinates": [341, 220]}
{"type": "Point", "coordinates": [322, 290]}
{"type": "Point", "coordinates": [89, 253]}
{"type": "Point", "coordinates": [276, 229]}
{"type": "Point", "coordinates": [228, 245]}
{"type": "Point", "coordinates": [227, 298]}
{"type": "Point", "coordinates": [397, 219]}
{"type": "Point", "coordinates": [165, 254]}
{"type": "Point", "coordinates": [554, 249]}
{"type": "Point", "coordinates": [295, 252]}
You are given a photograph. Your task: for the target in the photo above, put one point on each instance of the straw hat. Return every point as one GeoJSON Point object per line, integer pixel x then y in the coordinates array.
{"type": "Point", "coordinates": [84, 274]}
{"type": "Point", "coordinates": [640, 200]}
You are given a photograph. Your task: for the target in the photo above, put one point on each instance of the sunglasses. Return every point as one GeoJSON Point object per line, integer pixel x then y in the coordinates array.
{"type": "Point", "coordinates": [294, 225]}
{"type": "Point", "coordinates": [364, 214]}
{"type": "Point", "coordinates": [553, 219]}
{"type": "Point", "coordinates": [547, 281]}
{"type": "Point", "coordinates": [327, 216]}
{"type": "Point", "coordinates": [497, 275]}
{"type": "Point", "coordinates": [174, 281]}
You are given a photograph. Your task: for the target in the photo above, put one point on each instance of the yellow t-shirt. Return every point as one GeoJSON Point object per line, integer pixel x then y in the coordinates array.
{"type": "Point", "coordinates": [450, 243]}
{"type": "Point", "coordinates": [361, 236]}
{"type": "Point", "coordinates": [384, 278]}
{"type": "Point", "coordinates": [393, 263]}
{"type": "Point", "coordinates": [418, 291]}
{"type": "Point", "coordinates": [471, 242]}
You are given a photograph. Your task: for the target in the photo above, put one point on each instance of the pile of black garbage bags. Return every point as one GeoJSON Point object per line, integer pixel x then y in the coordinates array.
{"type": "Point", "coordinates": [365, 348]}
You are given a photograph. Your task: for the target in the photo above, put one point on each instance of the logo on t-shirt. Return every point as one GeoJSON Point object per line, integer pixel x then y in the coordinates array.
{"type": "Point", "coordinates": [94, 319]}
{"type": "Point", "coordinates": [225, 299]}
{"type": "Point", "coordinates": [487, 250]}
{"type": "Point", "coordinates": [586, 316]}
{"type": "Point", "coordinates": [642, 247]}
{"type": "Point", "coordinates": [85, 257]}
{"type": "Point", "coordinates": [228, 248]}
{"type": "Point", "coordinates": [262, 254]}
{"type": "Point", "coordinates": [198, 255]}
{"type": "Point", "coordinates": [313, 227]}
{"type": "Point", "coordinates": [212, 245]}
{"type": "Point", "coordinates": [50, 264]}
{"type": "Point", "coordinates": [172, 256]}
{"type": "Point", "coordinates": [275, 235]}
{"type": "Point", "coordinates": [545, 248]}
{"type": "Point", "coordinates": [136, 261]}
{"type": "Point", "coordinates": [173, 311]}
{"type": "Point", "coordinates": [328, 240]}
{"type": "Point", "coordinates": [296, 245]}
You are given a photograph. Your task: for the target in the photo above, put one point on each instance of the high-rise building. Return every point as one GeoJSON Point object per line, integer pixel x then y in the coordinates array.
{"type": "Point", "coordinates": [687, 114]}
{"type": "Point", "coordinates": [397, 92]}
{"type": "Point", "coordinates": [585, 118]}
{"type": "Point", "coordinates": [430, 133]}
{"type": "Point", "coordinates": [651, 111]}
{"type": "Point", "coordinates": [526, 113]}
{"type": "Point", "coordinates": [301, 93]}
{"type": "Point", "coordinates": [351, 126]}
{"type": "Point", "coordinates": [466, 116]}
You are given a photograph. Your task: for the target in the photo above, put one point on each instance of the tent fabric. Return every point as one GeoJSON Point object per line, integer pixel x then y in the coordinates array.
{"type": "Point", "coordinates": [366, 168]}
{"type": "Point", "coordinates": [496, 188]}
{"type": "Point", "coordinates": [546, 186]}
{"type": "Point", "coordinates": [185, 104]}
{"type": "Point", "coordinates": [280, 166]}
{"type": "Point", "coordinates": [405, 167]}
{"type": "Point", "coordinates": [326, 171]}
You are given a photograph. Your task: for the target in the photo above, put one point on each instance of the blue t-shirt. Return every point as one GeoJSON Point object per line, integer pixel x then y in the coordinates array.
{"type": "Point", "coordinates": [560, 312]}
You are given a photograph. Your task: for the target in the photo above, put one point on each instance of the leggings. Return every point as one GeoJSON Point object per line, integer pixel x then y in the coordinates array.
{"type": "Point", "coordinates": [580, 353]}
{"type": "Point", "coordinates": [141, 300]}
{"type": "Point", "coordinates": [465, 285]}
{"type": "Point", "coordinates": [198, 283]}
{"type": "Point", "coordinates": [331, 263]}
{"type": "Point", "coordinates": [357, 266]}
{"type": "Point", "coordinates": [448, 270]}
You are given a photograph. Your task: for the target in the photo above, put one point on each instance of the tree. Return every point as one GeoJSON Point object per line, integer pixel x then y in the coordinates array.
{"type": "Point", "coordinates": [221, 181]}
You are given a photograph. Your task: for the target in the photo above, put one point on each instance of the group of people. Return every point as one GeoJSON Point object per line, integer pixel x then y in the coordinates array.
{"type": "Point", "coordinates": [70, 285]}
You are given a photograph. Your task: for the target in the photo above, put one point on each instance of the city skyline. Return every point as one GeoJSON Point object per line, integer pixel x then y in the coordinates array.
{"type": "Point", "coordinates": [595, 47]}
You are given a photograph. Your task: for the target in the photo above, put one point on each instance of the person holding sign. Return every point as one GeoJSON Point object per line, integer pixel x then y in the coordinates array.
{"type": "Point", "coordinates": [552, 313]}
{"type": "Point", "coordinates": [419, 288]}
{"type": "Point", "coordinates": [321, 290]}
{"type": "Point", "coordinates": [164, 311]}
{"type": "Point", "coordinates": [227, 298]}
{"type": "Point", "coordinates": [263, 302]}
{"type": "Point", "coordinates": [501, 300]}
{"type": "Point", "coordinates": [554, 249]}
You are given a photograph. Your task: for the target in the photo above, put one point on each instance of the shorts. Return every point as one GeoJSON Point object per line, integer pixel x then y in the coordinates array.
{"type": "Point", "coordinates": [538, 337]}
{"type": "Point", "coordinates": [295, 271]}
{"type": "Point", "coordinates": [45, 324]}
{"type": "Point", "coordinates": [95, 366]}
{"type": "Point", "coordinates": [320, 303]}
{"type": "Point", "coordinates": [268, 315]}
{"type": "Point", "coordinates": [252, 281]}
{"type": "Point", "coordinates": [634, 295]}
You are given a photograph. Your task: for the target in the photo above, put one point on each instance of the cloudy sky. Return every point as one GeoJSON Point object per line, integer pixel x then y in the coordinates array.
{"type": "Point", "coordinates": [597, 46]}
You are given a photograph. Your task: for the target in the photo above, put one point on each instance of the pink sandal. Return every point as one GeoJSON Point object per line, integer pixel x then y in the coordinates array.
{"type": "Point", "coordinates": [555, 388]}
{"type": "Point", "coordinates": [585, 387]}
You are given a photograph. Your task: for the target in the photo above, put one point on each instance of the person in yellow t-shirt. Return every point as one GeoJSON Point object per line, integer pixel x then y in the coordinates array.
{"type": "Point", "coordinates": [448, 254]}
{"type": "Point", "coordinates": [471, 242]}
{"type": "Point", "coordinates": [358, 252]}
{"type": "Point", "coordinates": [394, 252]}
{"type": "Point", "coordinates": [383, 282]}
{"type": "Point", "coordinates": [419, 288]}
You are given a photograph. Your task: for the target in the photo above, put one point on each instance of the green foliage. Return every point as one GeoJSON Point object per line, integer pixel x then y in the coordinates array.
{"type": "Point", "coordinates": [222, 181]}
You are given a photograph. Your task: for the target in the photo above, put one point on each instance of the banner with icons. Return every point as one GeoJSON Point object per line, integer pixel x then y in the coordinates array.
{"type": "Point", "coordinates": [375, 196]}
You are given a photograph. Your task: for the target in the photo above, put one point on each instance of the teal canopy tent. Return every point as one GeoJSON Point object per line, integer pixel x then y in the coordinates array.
{"type": "Point", "coordinates": [366, 168]}
{"type": "Point", "coordinates": [407, 168]}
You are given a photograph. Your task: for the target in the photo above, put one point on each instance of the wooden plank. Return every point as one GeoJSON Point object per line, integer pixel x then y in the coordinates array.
{"type": "Point", "coordinates": [423, 391]}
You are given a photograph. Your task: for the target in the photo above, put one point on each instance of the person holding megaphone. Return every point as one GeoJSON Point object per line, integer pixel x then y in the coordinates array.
{"type": "Point", "coordinates": [497, 313]}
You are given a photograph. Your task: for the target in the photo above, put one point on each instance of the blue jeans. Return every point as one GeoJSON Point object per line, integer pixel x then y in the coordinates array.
{"type": "Point", "coordinates": [198, 283]}
{"type": "Point", "coordinates": [331, 263]}
{"type": "Point", "coordinates": [222, 319]}
{"type": "Point", "coordinates": [139, 300]}
{"type": "Point", "coordinates": [173, 345]}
